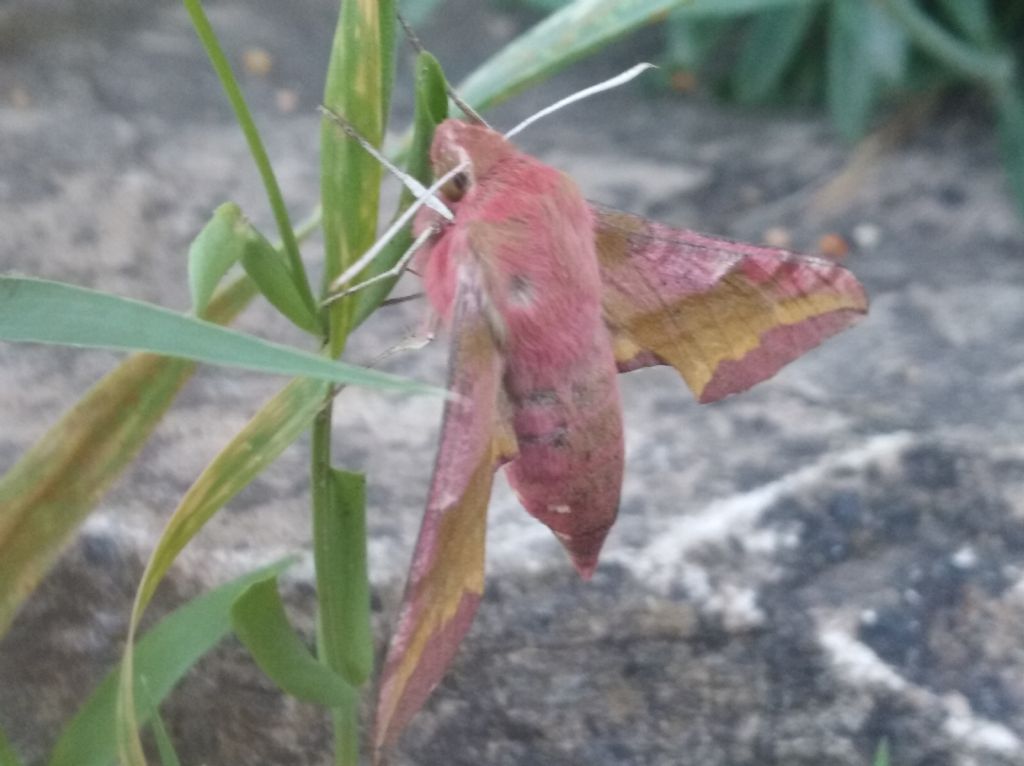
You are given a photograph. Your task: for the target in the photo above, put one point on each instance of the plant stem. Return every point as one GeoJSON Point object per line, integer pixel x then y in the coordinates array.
{"type": "Point", "coordinates": [346, 734]}
{"type": "Point", "coordinates": [346, 718]}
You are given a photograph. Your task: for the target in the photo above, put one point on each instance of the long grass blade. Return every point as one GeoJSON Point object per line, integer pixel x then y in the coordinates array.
{"type": "Point", "coordinates": [233, 91]}
{"type": "Point", "coordinates": [279, 423]}
{"type": "Point", "coordinates": [581, 28]}
{"type": "Point", "coordinates": [41, 311]}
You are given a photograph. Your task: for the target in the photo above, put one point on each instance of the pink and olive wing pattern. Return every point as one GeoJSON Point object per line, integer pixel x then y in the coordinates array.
{"type": "Point", "coordinates": [446, 578]}
{"type": "Point", "coordinates": [726, 315]}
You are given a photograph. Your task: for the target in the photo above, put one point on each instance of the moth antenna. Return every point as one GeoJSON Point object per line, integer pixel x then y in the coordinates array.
{"type": "Point", "coordinates": [417, 46]}
{"type": "Point", "coordinates": [396, 226]}
{"type": "Point", "coordinates": [418, 189]}
{"type": "Point", "coordinates": [402, 298]}
{"type": "Point", "coordinates": [579, 95]}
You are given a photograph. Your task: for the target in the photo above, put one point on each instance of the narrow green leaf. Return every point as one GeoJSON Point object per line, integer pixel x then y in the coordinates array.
{"type": "Point", "coordinates": [885, 45]}
{"type": "Point", "coordinates": [882, 753]}
{"type": "Point", "coordinates": [772, 42]}
{"type": "Point", "coordinates": [280, 422]}
{"type": "Point", "coordinates": [349, 177]}
{"type": "Point", "coordinates": [851, 81]}
{"type": "Point", "coordinates": [162, 657]}
{"type": "Point", "coordinates": [388, 28]}
{"type": "Point", "coordinates": [431, 111]}
{"type": "Point", "coordinates": [730, 8]}
{"type": "Point", "coordinates": [339, 534]}
{"type": "Point", "coordinates": [269, 270]}
{"type": "Point", "coordinates": [547, 6]}
{"type": "Point", "coordinates": [215, 250]}
{"type": "Point", "coordinates": [40, 311]}
{"type": "Point", "coordinates": [260, 623]}
{"type": "Point", "coordinates": [164, 745]}
{"type": "Point", "coordinates": [7, 755]}
{"type": "Point", "coordinates": [289, 242]}
{"type": "Point", "coordinates": [581, 28]}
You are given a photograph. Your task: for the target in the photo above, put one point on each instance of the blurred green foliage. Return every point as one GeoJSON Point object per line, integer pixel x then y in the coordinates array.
{"type": "Point", "coordinates": [859, 58]}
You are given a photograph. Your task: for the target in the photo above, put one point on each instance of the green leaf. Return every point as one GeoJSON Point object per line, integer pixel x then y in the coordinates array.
{"type": "Point", "coordinates": [269, 270]}
{"type": "Point", "coordinates": [220, 65]}
{"type": "Point", "coordinates": [882, 753]}
{"type": "Point", "coordinates": [725, 8]}
{"type": "Point", "coordinates": [339, 534]}
{"type": "Point", "coordinates": [280, 422]}
{"type": "Point", "coordinates": [215, 250]}
{"type": "Point", "coordinates": [566, 35]}
{"type": "Point", "coordinates": [581, 28]}
{"type": "Point", "coordinates": [40, 311]}
{"type": "Point", "coordinates": [885, 45]}
{"type": "Point", "coordinates": [388, 28]}
{"type": "Point", "coordinates": [52, 488]}
{"type": "Point", "coordinates": [164, 746]}
{"type": "Point", "coordinates": [772, 42]}
{"type": "Point", "coordinates": [431, 111]}
{"type": "Point", "coordinates": [7, 755]}
{"type": "Point", "coordinates": [349, 177]}
{"type": "Point", "coordinates": [162, 657]}
{"type": "Point", "coordinates": [851, 81]}
{"type": "Point", "coordinates": [260, 623]}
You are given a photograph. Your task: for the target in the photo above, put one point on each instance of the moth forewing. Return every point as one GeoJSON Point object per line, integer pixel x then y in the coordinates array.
{"type": "Point", "coordinates": [446, 577]}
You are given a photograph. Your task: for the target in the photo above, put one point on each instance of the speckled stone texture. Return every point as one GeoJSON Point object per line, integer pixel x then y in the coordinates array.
{"type": "Point", "coordinates": [833, 558]}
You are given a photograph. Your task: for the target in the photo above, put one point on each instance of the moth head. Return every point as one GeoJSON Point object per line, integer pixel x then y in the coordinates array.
{"type": "Point", "coordinates": [456, 142]}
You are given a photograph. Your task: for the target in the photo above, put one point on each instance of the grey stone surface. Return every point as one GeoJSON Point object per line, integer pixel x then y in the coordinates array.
{"type": "Point", "coordinates": [835, 557]}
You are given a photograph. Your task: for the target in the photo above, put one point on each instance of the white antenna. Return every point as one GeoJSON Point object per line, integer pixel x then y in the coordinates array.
{"type": "Point", "coordinates": [579, 95]}
{"type": "Point", "coordinates": [418, 189]}
{"type": "Point", "coordinates": [394, 228]}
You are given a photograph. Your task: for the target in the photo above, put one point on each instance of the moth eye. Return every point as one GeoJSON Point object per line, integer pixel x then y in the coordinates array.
{"type": "Point", "coordinates": [456, 188]}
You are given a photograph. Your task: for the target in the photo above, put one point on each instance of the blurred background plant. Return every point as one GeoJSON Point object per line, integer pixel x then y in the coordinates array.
{"type": "Point", "coordinates": [864, 60]}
